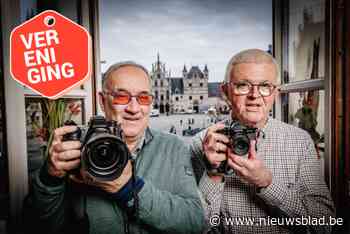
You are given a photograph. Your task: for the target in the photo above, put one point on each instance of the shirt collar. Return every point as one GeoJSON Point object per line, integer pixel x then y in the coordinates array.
{"type": "Point", "coordinates": [144, 140]}
{"type": "Point", "coordinates": [265, 130]}
{"type": "Point", "coordinates": [148, 135]}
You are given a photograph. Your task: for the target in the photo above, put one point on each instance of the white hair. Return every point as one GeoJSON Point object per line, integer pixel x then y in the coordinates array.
{"type": "Point", "coordinates": [250, 56]}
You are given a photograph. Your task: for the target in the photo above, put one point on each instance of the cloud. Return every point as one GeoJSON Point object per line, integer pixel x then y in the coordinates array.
{"type": "Point", "coordinates": [192, 32]}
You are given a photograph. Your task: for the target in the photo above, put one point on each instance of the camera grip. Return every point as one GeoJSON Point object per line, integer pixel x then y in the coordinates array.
{"type": "Point", "coordinates": [222, 169]}
{"type": "Point", "coordinates": [72, 136]}
{"type": "Point", "coordinates": [225, 131]}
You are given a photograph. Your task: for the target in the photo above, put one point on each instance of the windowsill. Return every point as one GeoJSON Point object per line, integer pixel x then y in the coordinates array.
{"type": "Point", "coordinates": [71, 94]}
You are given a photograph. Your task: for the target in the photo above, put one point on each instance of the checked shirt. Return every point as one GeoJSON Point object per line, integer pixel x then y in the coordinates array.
{"type": "Point", "coordinates": [297, 189]}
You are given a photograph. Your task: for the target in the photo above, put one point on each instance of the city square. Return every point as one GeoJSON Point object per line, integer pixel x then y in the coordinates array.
{"type": "Point", "coordinates": [182, 122]}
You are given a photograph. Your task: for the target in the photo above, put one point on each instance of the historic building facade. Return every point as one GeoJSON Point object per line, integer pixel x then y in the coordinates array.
{"type": "Point", "coordinates": [188, 93]}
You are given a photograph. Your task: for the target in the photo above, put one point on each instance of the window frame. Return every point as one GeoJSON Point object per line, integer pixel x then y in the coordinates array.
{"type": "Point", "coordinates": [14, 93]}
{"type": "Point", "coordinates": [4, 197]}
{"type": "Point", "coordinates": [280, 52]}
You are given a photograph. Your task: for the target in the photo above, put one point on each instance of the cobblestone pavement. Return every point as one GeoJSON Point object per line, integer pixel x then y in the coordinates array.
{"type": "Point", "coordinates": [180, 122]}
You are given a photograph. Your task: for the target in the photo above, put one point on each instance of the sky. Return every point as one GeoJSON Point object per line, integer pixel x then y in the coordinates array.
{"type": "Point", "coordinates": [191, 32]}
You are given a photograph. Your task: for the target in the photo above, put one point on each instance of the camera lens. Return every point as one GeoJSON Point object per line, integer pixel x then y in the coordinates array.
{"type": "Point", "coordinates": [240, 145]}
{"type": "Point", "coordinates": [105, 157]}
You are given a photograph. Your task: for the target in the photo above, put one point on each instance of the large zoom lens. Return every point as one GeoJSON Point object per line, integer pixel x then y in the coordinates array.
{"type": "Point", "coordinates": [105, 156]}
{"type": "Point", "coordinates": [240, 144]}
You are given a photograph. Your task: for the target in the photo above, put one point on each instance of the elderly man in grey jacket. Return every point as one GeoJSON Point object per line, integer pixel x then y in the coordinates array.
{"type": "Point", "coordinates": [165, 188]}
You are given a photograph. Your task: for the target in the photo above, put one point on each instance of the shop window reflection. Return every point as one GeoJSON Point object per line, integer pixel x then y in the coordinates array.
{"type": "Point", "coordinates": [68, 8]}
{"type": "Point", "coordinates": [41, 116]}
{"type": "Point", "coordinates": [306, 110]}
{"type": "Point", "coordinates": [306, 40]}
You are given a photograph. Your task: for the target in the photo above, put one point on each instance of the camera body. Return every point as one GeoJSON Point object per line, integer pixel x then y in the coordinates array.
{"type": "Point", "coordinates": [240, 137]}
{"type": "Point", "coordinates": [104, 154]}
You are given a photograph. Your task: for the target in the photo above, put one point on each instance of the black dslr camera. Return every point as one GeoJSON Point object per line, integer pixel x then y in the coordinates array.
{"type": "Point", "coordinates": [240, 137]}
{"type": "Point", "coordinates": [104, 155]}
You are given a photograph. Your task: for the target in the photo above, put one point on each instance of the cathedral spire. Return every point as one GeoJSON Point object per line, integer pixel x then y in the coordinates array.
{"type": "Point", "coordinates": [158, 62]}
{"type": "Point", "coordinates": [205, 68]}
{"type": "Point", "coordinates": [184, 71]}
{"type": "Point", "coordinates": [206, 72]}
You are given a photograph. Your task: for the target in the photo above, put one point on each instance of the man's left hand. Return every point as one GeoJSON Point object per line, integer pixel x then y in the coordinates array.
{"type": "Point", "coordinates": [108, 186]}
{"type": "Point", "coordinates": [252, 169]}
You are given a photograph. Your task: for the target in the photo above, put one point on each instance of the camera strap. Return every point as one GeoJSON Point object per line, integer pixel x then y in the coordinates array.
{"type": "Point", "coordinates": [135, 208]}
{"type": "Point", "coordinates": [132, 212]}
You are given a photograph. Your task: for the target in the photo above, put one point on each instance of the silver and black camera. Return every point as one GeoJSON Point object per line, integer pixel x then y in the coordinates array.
{"type": "Point", "coordinates": [104, 154]}
{"type": "Point", "coordinates": [240, 137]}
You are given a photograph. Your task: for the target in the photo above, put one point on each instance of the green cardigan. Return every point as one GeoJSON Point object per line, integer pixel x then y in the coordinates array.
{"type": "Point", "coordinates": [168, 202]}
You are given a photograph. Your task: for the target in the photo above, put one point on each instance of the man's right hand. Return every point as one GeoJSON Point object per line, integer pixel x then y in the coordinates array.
{"type": "Point", "coordinates": [63, 155]}
{"type": "Point", "coordinates": [215, 145]}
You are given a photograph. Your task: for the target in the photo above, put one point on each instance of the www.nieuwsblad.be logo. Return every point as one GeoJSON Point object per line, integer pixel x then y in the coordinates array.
{"type": "Point", "coordinates": [217, 220]}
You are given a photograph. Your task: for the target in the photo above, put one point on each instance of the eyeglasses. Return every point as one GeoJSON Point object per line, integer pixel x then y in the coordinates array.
{"type": "Point", "coordinates": [124, 97]}
{"type": "Point", "coordinates": [242, 88]}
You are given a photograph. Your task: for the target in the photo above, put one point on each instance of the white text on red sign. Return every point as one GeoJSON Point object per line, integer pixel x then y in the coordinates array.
{"type": "Point", "coordinates": [41, 52]}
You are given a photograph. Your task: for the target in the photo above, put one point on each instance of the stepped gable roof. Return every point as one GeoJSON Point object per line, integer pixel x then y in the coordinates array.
{"type": "Point", "coordinates": [195, 71]}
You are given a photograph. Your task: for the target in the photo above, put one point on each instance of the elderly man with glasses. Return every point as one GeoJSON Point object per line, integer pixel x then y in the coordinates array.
{"type": "Point", "coordinates": [277, 186]}
{"type": "Point", "coordinates": [164, 185]}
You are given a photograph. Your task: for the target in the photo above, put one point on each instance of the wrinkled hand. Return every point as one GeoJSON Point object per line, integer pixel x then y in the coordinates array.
{"type": "Point", "coordinates": [252, 169]}
{"type": "Point", "coordinates": [215, 148]}
{"type": "Point", "coordinates": [63, 156]}
{"type": "Point", "coordinates": [214, 145]}
{"type": "Point", "coordinates": [108, 186]}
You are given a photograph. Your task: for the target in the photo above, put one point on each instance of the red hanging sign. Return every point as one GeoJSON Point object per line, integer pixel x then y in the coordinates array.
{"type": "Point", "coordinates": [50, 54]}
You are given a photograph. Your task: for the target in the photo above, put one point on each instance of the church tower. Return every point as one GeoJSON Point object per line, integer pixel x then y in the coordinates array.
{"type": "Point", "coordinates": [206, 72]}
{"type": "Point", "coordinates": [184, 71]}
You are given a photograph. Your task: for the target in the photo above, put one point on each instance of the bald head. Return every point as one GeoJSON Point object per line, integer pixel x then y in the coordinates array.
{"type": "Point", "coordinates": [256, 56]}
{"type": "Point", "coordinates": [108, 74]}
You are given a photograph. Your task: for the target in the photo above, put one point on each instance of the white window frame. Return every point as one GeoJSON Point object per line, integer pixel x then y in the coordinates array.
{"type": "Point", "coordinates": [306, 85]}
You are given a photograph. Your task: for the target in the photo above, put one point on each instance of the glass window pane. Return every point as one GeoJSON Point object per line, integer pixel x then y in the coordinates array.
{"type": "Point", "coordinates": [305, 41]}
{"type": "Point", "coordinates": [68, 8]}
{"type": "Point", "coordinates": [40, 116]}
{"type": "Point", "coordinates": [306, 110]}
